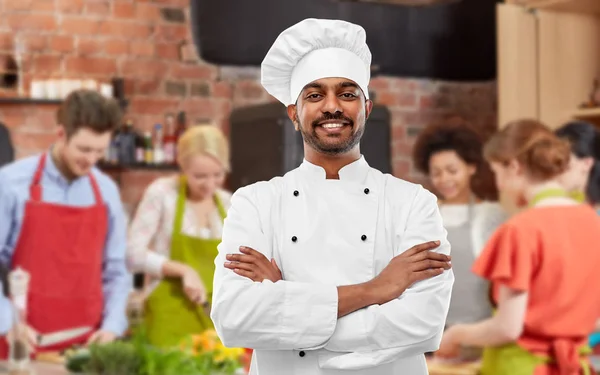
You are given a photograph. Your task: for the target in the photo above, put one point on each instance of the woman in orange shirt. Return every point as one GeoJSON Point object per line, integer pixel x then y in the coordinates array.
{"type": "Point", "coordinates": [541, 264]}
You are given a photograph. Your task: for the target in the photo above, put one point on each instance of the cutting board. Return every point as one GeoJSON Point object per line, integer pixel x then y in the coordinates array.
{"type": "Point", "coordinates": [444, 368]}
{"type": "Point", "coordinates": [40, 368]}
{"type": "Point", "coordinates": [51, 357]}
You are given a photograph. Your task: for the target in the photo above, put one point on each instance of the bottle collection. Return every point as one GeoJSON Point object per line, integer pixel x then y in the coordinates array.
{"type": "Point", "coordinates": [594, 96]}
{"type": "Point", "coordinates": [131, 147]}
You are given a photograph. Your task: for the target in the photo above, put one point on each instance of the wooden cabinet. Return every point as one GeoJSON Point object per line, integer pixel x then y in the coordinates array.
{"type": "Point", "coordinates": [548, 59]}
{"type": "Point", "coordinates": [582, 6]}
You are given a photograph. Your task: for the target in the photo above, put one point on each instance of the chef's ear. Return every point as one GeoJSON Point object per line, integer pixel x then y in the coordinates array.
{"type": "Point", "coordinates": [368, 108]}
{"type": "Point", "coordinates": [293, 115]}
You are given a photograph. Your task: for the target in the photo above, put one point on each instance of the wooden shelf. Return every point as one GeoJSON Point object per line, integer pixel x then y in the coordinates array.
{"type": "Point", "coordinates": [34, 101]}
{"type": "Point", "coordinates": [587, 113]}
{"type": "Point", "coordinates": [137, 167]}
{"type": "Point", "coordinates": [29, 101]}
{"type": "Point", "coordinates": [576, 6]}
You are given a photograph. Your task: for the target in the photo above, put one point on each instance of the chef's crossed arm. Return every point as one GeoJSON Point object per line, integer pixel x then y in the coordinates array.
{"type": "Point", "coordinates": [413, 323]}
{"type": "Point", "coordinates": [271, 316]}
{"type": "Point", "coordinates": [291, 315]}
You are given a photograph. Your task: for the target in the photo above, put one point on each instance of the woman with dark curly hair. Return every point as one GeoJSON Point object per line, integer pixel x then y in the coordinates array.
{"type": "Point", "coordinates": [450, 154]}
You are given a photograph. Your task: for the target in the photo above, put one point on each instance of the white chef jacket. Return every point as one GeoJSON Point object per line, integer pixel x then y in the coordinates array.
{"type": "Point", "coordinates": [323, 234]}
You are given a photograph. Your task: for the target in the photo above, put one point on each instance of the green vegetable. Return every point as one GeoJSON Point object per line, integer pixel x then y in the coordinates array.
{"type": "Point", "coordinates": [117, 358]}
{"type": "Point", "coordinates": [136, 357]}
{"type": "Point", "coordinates": [77, 360]}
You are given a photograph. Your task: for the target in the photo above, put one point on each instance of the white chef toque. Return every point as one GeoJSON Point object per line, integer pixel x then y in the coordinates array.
{"type": "Point", "coordinates": [313, 49]}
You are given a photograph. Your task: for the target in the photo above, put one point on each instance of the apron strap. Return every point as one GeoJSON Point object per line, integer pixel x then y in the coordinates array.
{"type": "Point", "coordinates": [95, 189]}
{"type": "Point", "coordinates": [35, 190]}
{"type": "Point", "coordinates": [220, 207]}
{"type": "Point", "coordinates": [568, 356]}
{"type": "Point", "coordinates": [180, 205]}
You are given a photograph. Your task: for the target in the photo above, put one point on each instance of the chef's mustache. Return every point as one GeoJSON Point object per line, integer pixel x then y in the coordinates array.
{"type": "Point", "coordinates": [336, 116]}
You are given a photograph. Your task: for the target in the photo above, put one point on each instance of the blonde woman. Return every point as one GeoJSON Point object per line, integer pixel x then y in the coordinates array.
{"type": "Point", "coordinates": [182, 218]}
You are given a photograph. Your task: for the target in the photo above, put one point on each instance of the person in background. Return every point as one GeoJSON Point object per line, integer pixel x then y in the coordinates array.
{"type": "Point", "coordinates": [450, 154]}
{"type": "Point", "coordinates": [7, 151]}
{"type": "Point", "coordinates": [61, 220]}
{"type": "Point", "coordinates": [182, 218]}
{"type": "Point", "coordinates": [583, 174]}
{"type": "Point", "coordinates": [541, 264]}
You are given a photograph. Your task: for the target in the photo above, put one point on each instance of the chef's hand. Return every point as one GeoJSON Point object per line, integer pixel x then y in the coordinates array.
{"type": "Point", "coordinates": [253, 265]}
{"type": "Point", "coordinates": [450, 345]}
{"type": "Point", "coordinates": [193, 286]}
{"type": "Point", "coordinates": [31, 335]}
{"type": "Point", "coordinates": [416, 264]}
{"type": "Point", "coordinates": [101, 337]}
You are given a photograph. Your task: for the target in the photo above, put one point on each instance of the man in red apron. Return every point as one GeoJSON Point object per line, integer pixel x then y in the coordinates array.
{"type": "Point", "coordinates": [62, 221]}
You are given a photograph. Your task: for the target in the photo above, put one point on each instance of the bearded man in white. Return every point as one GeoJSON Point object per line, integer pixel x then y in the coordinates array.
{"type": "Point", "coordinates": [334, 268]}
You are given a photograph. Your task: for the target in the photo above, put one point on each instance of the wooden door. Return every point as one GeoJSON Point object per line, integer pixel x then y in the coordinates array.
{"type": "Point", "coordinates": [517, 64]}
{"type": "Point", "coordinates": [569, 62]}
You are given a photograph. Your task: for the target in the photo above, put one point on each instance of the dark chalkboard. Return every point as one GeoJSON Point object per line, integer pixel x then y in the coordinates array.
{"type": "Point", "coordinates": [456, 41]}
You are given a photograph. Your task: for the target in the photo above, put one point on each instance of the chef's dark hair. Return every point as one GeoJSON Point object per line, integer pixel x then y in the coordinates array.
{"type": "Point", "coordinates": [454, 134]}
{"type": "Point", "coordinates": [88, 109]}
{"type": "Point", "coordinates": [584, 139]}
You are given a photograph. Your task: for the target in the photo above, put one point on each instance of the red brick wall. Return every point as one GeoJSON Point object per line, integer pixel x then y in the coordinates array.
{"type": "Point", "coordinates": [131, 39]}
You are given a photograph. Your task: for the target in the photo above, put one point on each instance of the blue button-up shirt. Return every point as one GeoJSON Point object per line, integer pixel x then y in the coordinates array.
{"type": "Point", "coordinates": [15, 180]}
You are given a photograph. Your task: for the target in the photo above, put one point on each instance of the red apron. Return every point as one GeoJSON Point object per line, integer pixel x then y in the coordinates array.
{"type": "Point", "coordinates": [62, 249]}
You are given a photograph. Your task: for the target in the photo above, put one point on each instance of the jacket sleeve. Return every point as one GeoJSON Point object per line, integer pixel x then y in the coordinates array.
{"type": "Point", "coordinates": [142, 231]}
{"type": "Point", "coordinates": [270, 316]}
{"type": "Point", "coordinates": [412, 324]}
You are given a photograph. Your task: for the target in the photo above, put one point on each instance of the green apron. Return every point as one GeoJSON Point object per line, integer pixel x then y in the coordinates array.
{"type": "Point", "coordinates": [170, 316]}
{"type": "Point", "coordinates": [512, 359]}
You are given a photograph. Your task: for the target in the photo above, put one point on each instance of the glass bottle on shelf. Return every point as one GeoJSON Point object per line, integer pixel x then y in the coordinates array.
{"type": "Point", "coordinates": [180, 128]}
{"type": "Point", "coordinates": [113, 149]}
{"type": "Point", "coordinates": [170, 139]}
{"type": "Point", "coordinates": [149, 150]}
{"type": "Point", "coordinates": [596, 94]}
{"type": "Point", "coordinates": [126, 144]}
{"type": "Point", "coordinates": [159, 152]}
{"type": "Point", "coordinates": [140, 149]}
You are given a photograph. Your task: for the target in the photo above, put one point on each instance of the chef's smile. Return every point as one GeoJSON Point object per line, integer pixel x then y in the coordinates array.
{"type": "Point", "coordinates": [333, 126]}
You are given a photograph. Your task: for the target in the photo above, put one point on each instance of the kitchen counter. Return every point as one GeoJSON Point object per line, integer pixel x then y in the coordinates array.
{"type": "Point", "coordinates": [435, 368]}
{"type": "Point", "coordinates": [40, 368]}
{"type": "Point", "coordinates": [45, 368]}
{"type": "Point", "coordinates": [444, 368]}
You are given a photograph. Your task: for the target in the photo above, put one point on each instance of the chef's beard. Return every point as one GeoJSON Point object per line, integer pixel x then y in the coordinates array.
{"type": "Point", "coordinates": [343, 145]}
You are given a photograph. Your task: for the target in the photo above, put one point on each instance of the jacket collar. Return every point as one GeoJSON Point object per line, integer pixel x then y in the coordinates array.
{"type": "Point", "coordinates": [356, 171]}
